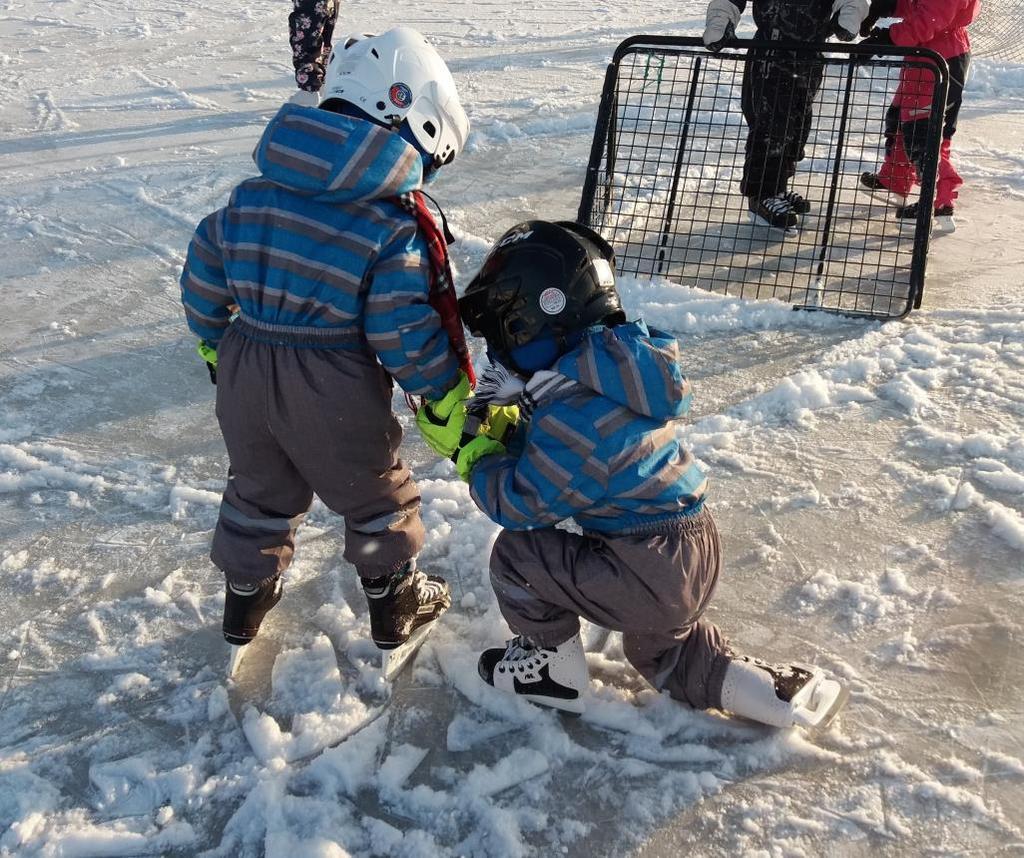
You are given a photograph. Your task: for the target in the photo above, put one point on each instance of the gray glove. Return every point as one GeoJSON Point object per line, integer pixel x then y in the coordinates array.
{"type": "Point", "coordinates": [848, 15]}
{"type": "Point", "coordinates": [720, 24]}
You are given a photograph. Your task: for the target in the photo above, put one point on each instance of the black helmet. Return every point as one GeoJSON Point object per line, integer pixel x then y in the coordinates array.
{"type": "Point", "coordinates": [542, 280]}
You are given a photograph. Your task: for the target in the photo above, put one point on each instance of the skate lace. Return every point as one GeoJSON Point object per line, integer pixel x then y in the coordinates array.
{"type": "Point", "coordinates": [793, 198]}
{"type": "Point", "coordinates": [520, 656]}
{"type": "Point", "coordinates": [426, 590]}
{"type": "Point", "coordinates": [779, 204]}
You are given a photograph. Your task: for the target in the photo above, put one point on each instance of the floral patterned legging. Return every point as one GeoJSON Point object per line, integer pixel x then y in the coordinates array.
{"type": "Point", "coordinates": [311, 25]}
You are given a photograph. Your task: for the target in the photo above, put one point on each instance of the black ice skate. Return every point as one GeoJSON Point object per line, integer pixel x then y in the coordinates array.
{"type": "Point", "coordinates": [245, 606]}
{"type": "Point", "coordinates": [792, 695]}
{"type": "Point", "coordinates": [872, 184]}
{"type": "Point", "coordinates": [403, 610]}
{"type": "Point", "coordinates": [800, 204]}
{"type": "Point", "coordinates": [776, 212]}
{"type": "Point", "coordinates": [942, 217]}
{"type": "Point", "coordinates": [551, 676]}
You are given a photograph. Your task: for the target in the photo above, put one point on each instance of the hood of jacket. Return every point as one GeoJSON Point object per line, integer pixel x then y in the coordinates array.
{"type": "Point", "coordinates": [336, 158]}
{"type": "Point", "coordinates": [633, 366]}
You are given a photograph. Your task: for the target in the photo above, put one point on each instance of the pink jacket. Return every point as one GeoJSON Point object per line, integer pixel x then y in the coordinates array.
{"type": "Point", "coordinates": [937, 24]}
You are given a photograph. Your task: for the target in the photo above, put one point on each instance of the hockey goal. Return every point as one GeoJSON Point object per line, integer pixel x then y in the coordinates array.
{"type": "Point", "coordinates": [663, 181]}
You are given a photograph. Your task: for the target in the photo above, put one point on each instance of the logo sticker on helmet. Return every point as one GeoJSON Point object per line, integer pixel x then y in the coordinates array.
{"type": "Point", "coordinates": [400, 95]}
{"type": "Point", "coordinates": [513, 238]}
{"type": "Point", "coordinates": [552, 301]}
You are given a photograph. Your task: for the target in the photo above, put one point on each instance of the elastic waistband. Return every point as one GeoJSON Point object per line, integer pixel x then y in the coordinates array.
{"type": "Point", "coordinates": [299, 335]}
{"type": "Point", "coordinates": [693, 519]}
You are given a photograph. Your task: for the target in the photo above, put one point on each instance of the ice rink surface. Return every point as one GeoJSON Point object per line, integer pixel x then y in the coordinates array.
{"type": "Point", "coordinates": [868, 480]}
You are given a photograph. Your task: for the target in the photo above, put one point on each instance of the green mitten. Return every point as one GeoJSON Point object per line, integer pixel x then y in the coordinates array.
{"type": "Point", "coordinates": [466, 457]}
{"type": "Point", "coordinates": [455, 397]}
{"type": "Point", "coordinates": [501, 422]}
{"type": "Point", "coordinates": [441, 422]}
{"type": "Point", "coordinates": [209, 354]}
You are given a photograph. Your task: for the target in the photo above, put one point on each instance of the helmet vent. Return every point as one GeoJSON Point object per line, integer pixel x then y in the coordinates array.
{"type": "Point", "coordinates": [374, 52]}
{"type": "Point", "coordinates": [430, 129]}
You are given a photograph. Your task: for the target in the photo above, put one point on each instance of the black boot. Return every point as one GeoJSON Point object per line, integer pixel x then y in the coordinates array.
{"type": "Point", "coordinates": [246, 606]}
{"type": "Point", "coordinates": [403, 602]}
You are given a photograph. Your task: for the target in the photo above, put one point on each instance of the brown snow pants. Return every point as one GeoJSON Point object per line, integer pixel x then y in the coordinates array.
{"type": "Point", "coordinates": [302, 420]}
{"type": "Point", "coordinates": [652, 587]}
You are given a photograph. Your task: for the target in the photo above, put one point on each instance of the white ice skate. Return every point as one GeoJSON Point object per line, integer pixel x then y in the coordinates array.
{"type": "Point", "coordinates": [942, 220]}
{"type": "Point", "coordinates": [551, 676]}
{"type": "Point", "coordinates": [795, 695]}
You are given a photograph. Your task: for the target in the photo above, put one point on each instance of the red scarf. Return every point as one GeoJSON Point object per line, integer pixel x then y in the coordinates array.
{"type": "Point", "coordinates": [442, 286]}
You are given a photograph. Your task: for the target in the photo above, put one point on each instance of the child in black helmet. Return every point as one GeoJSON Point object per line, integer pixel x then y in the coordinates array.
{"type": "Point", "coordinates": [598, 397]}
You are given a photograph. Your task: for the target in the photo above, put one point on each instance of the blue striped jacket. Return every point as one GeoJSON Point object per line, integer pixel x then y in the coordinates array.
{"type": "Point", "coordinates": [600, 446]}
{"type": "Point", "coordinates": [312, 251]}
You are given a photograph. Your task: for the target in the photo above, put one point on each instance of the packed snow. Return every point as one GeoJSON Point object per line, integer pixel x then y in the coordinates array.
{"type": "Point", "coordinates": [868, 480]}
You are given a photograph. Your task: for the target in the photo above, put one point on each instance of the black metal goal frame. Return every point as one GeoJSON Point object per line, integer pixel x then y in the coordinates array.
{"type": "Point", "coordinates": [662, 184]}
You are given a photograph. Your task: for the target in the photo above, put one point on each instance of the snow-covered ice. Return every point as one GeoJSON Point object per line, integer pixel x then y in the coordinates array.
{"type": "Point", "coordinates": [868, 480]}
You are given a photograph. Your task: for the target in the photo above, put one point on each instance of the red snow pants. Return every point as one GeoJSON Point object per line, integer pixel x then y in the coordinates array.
{"type": "Point", "coordinates": [906, 126]}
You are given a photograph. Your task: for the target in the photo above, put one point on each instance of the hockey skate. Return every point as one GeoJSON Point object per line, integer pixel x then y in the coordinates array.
{"type": "Point", "coordinates": [942, 218]}
{"type": "Point", "coordinates": [775, 212]}
{"type": "Point", "coordinates": [872, 184]}
{"type": "Point", "coordinates": [795, 695]}
{"type": "Point", "coordinates": [245, 606]}
{"type": "Point", "coordinates": [550, 676]}
{"type": "Point", "coordinates": [800, 204]}
{"type": "Point", "coordinates": [404, 608]}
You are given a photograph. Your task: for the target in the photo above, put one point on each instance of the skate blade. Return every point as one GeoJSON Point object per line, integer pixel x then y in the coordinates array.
{"type": "Point", "coordinates": [757, 220]}
{"type": "Point", "coordinates": [569, 707]}
{"type": "Point", "coordinates": [392, 661]}
{"type": "Point", "coordinates": [884, 195]}
{"type": "Point", "coordinates": [825, 700]}
{"type": "Point", "coordinates": [596, 639]}
{"type": "Point", "coordinates": [235, 658]}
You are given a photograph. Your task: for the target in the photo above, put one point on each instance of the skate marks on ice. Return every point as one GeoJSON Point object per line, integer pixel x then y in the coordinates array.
{"type": "Point", "coordinates": [874, 496]}
{"type": "Point", "coordinates": [153, 757]}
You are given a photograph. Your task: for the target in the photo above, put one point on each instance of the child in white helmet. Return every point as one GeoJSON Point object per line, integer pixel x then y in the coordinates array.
{"type": "Point", "coordinates": [321, 282]}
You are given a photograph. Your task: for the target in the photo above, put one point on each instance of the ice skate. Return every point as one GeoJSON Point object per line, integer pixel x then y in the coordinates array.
{"type": "Point", "coordinates": [942, 219]}
{"type": "Point", "coordinates": [872, 185]}
{"type": "Point", "coordinates": [551, 676]}
{"type": "Point", "coordinates": [775, 212]}
{"type": "Point", "coordinates": [404, 608]}
{"type": "Point", "coordinates": [800, 204]}
{"type": "Point", "coordinates": [792, 695]}
{"type": "Point", "coordinates": [245, 606]}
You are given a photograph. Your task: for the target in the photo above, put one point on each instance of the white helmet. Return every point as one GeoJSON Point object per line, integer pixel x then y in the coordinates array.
{"type": "Point", "coordinates": [395, 77]}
